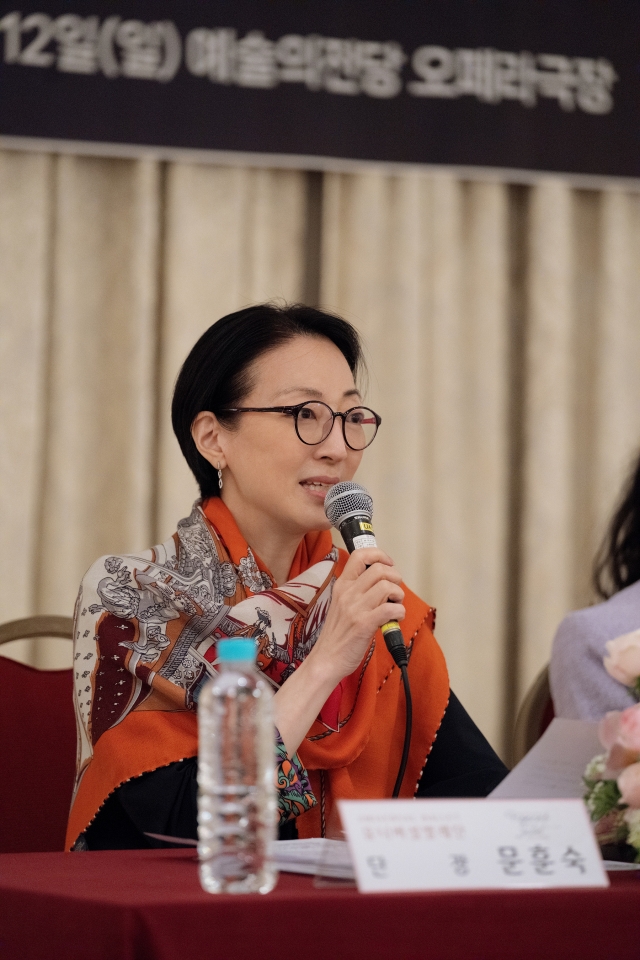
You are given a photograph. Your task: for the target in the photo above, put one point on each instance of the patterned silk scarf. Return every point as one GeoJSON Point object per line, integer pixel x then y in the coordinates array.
{"type": "Point", "coordinates": [146, 629]}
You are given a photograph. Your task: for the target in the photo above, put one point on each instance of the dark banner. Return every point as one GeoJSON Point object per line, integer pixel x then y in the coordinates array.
{"type": "Point", "coordinates": [550, 85]}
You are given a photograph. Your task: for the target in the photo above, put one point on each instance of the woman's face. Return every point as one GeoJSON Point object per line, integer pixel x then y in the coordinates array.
{"type": "Point", "coordinates": [269, 473]}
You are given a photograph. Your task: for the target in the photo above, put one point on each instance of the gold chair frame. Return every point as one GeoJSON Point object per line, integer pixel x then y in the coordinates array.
{"type": "Point", "coordinates": [42, 626]}
{"type": "Point", "coordinates": [530, 716]}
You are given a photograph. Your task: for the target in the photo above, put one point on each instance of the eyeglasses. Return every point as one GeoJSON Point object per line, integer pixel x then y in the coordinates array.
{"type": "Point", "coordinates": [314, 421]}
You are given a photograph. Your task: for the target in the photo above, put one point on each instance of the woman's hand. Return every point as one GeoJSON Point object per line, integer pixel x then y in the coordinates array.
{"type": "Point", "coordinates": [363, 599]}
{"type": "Point", "coordinates": [366, 595]}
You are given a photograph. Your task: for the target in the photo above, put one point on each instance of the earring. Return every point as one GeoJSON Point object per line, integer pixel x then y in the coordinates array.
{"type": "Point", "coordinates": [220, 484]}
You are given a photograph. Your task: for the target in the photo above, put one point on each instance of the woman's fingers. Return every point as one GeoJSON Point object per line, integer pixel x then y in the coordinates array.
{"type": "Point", "coordinates": [379, 615]}
{"type": "Point", "coordinates": [386, 591]}
{"type": "Point", "coordinates": [369, 576]}
{"type": "Point", "coordinates": [361, 617]}
{"type": "Point", "coordinates": [361, 559]}
{"type": "Point", "coordinates": [369, 590]}
{"type": "Point", "coordinates": [392, 611]}
{"type": "Point", "coordinates": [378, 573]}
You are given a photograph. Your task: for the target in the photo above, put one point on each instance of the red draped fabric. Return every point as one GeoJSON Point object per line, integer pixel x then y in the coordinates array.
{"type": "Point", "coordinates": [148, 905]}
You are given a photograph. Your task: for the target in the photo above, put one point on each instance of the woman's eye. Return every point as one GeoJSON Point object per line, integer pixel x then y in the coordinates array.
{"type": "Point", "coordinates": [306, 414]}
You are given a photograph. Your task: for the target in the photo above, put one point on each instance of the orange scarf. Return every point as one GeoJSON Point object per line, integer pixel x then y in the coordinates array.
{"type": "Point", "coordinates": [146, 629]}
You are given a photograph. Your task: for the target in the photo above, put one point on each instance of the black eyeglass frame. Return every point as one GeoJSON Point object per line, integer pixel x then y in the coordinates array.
{"type": "Point", "coordinates": [294, 411]}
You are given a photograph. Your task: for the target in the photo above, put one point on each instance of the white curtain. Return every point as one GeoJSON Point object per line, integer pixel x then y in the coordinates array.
{"type": "Point", "coordinates": [582, 396]}
{"type": "Point", "coordinates": [419, 263]}
{"type": "Point", "coordinates": [502, 327]}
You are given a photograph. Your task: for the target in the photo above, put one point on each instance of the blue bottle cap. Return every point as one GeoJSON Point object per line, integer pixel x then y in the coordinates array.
{"type": "Point", "coordinates": [241, 649]}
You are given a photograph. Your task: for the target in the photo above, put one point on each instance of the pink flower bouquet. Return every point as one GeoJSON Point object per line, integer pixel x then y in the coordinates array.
{"type": "Point", "coordinates": [612, 779]}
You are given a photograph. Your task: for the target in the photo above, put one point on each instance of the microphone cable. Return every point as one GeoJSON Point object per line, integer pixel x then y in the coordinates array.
{"type": "Point", "coordinates": [402, 661]}
{"type": "Point", "coordinates": [407, 731]}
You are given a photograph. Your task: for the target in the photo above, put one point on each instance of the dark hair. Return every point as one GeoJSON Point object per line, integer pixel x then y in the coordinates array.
{"type": "Point", "coordinates": [617, 563]}
{"type": "Point", "coordinates": [216, 373]}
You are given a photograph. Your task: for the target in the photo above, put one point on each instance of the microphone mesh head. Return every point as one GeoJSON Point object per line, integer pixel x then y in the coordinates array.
{"type": "Point", "coordinates": [347, 499]}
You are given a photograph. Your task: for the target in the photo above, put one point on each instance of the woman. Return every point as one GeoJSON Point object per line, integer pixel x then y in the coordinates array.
{"type": "Point", "coordinates": [268, 415]}
{"type": "Point", "coordinates": [580, 686]}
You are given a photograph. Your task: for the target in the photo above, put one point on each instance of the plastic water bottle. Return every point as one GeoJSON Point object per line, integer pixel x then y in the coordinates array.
{"type": "Point", "coordinates": [237, 800]}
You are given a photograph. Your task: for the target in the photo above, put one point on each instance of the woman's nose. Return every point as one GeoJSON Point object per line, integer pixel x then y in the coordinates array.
{"type": "Point", "coordinates": [334, 446]}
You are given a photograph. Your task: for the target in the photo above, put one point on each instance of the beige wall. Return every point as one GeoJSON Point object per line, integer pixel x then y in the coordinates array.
{"type": "Point", "coordinates": [503, 334]}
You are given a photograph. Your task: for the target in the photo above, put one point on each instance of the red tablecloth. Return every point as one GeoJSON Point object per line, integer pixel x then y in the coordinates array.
{"type": "Point", "coordinates": [148, 905]}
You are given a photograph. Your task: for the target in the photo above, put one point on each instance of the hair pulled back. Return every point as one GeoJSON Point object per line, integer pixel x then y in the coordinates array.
{"type": "Point", "coordinates": [617, 564]}
{"type": "Point", "coordinates": [217, 375]}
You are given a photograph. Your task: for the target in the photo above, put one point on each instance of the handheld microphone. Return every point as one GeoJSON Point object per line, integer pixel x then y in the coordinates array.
{"type": "Point", "coordinates": [349, 508]}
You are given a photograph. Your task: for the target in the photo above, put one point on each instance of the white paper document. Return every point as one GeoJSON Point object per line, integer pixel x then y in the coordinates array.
{"type": "Point", "coordinates": [327, 858]}
{"type": "Point", "coordinates": [555, 765]}
{"type": "Point", "coordinates": [411, 845]}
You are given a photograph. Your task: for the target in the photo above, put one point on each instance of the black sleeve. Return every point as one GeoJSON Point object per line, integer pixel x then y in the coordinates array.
{"type": "Point", "coordinates": [163, 801]}
{"type": "Point", "coordinates": [462, 763]}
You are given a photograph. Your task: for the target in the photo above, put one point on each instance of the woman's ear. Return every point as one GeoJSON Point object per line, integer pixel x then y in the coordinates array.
{"type": "Point", "coordinates": [206, 431]}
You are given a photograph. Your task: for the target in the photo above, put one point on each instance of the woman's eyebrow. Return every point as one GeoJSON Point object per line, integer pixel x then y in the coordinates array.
{"type": "Point", "coordinates": [312, 392]}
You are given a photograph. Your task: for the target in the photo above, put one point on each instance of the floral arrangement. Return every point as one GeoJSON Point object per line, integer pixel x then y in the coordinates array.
{"type": "Point", "coordinates": [612, 779]}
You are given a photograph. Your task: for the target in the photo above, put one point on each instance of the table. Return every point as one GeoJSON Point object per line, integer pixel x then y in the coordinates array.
{"type": "Point", "coordinates": [148, 905]}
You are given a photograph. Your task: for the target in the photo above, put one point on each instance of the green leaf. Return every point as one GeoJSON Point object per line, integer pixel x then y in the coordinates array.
{"type": "Point", "coordinates": [601, 798]}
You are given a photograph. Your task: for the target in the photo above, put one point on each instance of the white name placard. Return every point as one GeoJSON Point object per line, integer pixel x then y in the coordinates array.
{"type": "Point", "coordinates": [408, 845]}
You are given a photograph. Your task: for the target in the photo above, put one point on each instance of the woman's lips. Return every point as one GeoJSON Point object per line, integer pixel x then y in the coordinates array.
{"type": "Point", "coordinates": [318, 487]}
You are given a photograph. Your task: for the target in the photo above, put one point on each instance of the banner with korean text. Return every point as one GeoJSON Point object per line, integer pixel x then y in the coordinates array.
{"type": "Point", "coordinates": [531, 85]}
